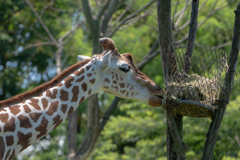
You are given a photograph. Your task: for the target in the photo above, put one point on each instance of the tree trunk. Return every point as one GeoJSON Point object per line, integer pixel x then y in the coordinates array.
{"type": "Point", "coordinates": [174, 126]}
{"type": "Point", "coordinates": [225, 91]}
{"type": "Point", "coordinates": [72, 135]}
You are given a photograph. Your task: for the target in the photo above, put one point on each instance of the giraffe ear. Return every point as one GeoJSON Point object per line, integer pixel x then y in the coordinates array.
{"type": "Point", "coordinates": [81, 57]}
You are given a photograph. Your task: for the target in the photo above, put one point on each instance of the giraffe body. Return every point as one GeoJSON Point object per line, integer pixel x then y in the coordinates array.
{"type": "Point", "coordinates": [24, 122]}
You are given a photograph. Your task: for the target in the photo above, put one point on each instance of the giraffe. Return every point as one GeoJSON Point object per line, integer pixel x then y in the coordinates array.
{"type": "Point", "coordinates": [27, 117]}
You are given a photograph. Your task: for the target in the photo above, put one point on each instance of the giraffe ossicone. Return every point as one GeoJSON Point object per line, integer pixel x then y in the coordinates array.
{"type": "Point", "coordinates": [29, 116]}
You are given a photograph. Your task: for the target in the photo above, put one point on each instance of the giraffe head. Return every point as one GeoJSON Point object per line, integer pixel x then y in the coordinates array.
{"type": "Point", "coordinates": [117, 74]}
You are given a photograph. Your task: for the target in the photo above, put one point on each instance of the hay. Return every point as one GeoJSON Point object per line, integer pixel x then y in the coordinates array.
{"type": "Point", "coordinates": [196, 96]}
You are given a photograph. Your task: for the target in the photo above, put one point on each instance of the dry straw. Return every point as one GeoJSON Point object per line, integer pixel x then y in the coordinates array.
{"type": "Point", "coordinates": [196, 93]}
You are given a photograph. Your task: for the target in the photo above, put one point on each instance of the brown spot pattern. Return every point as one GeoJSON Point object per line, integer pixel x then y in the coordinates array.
{"type": "Point", "coordinates": [34, 103]}
{"type": "Point", "coordinates": [131, 88]}
{"type": "Point", "coordinates": [128, 84]}
{"type": "Point", "coordinates": [92, 81]}
{"type": "Point", "coordinates": [127, 93]}
{"type": "Point", "coordinates": [107, 80]}
{"type": "Point", "coordinates": [123, 91]}
{"type": "Point", "coordinates": [9, 140]}
{"type": "Point", "coordinates": [45, 103]}
{"type": "Point", "coordinates": [15, 109]}
{"type": "Point", "coordinates": [132, 94]}
{"type": "Point", "coordinates": [75, 92]}
{"type": "Point", "coordinates": [53, 108]}
{"type": "Point", "coordinates": [70, 110]}
{"type": "Point", "coordinates": [84, 87]}
{"type": "Point", "coordinates": [26, 108]}
{"type": "Point", "coordinates": [90, 91]}
{"type": "Point", "coordinates": [114, 82]}
{"type": "Point", "coordinates": [24, 139]}
{"type": "Point", "coordinates": [137, 93]}
{"type": "Point", "coordinates": [89, 74]}
{"type": "Point", "coordinates": [106, 87]}
{"type": "Point", "coordinates": [44, 87]}
{"type": "Point", "coordinates": [115, 87]}
{"type": "Point", "coordinates": [8, 153]}
{"type": "Point", "coordinates": [92, 69]}
{"type": "Point", "coordinates": [4, 117]}
{"type": "Point", "coordinates": [116, 76]}
{"type": "Point", "coordinates": [81, 100]}
{"type": "Point", "coordinates": [122, 85]}
{"type": "Point", "coordinates": [68, 81]}
{"type": "Point", "coordinates": [78, 73]}
{"type": "Point", "coordinates": [52, 95]}
{"type": "Point", "coordinates": [10, 125]}
{"type": "Point", "coordinates": [121, 78]}
{"type": "Point", "coordinates": [2, 148]}
{"type": "Point", "coordinates": [42, 128]}
{"type": "Point", "coordinates": [24, 121]}
{"type": "Point", "coordinates": [12, 155]}
{"type": "Point", "coordinates": [64, 95]}
{"type": "Point", "coordinates": [2, 110]}
{"type": "Point", "coordinates": [64, 108]}
{"type": "Point", "coordinates": [80, 79]}
{"type": "Point", "coordinates": [88, 67]}
{"type": "Point", "coordinates": [35, 116]}
{"type": "Point", "coordinates": [57, 121]}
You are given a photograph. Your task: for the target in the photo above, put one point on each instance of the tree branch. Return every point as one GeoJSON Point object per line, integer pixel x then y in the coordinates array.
{"type": "Point", "coordinates": [181, 15]}
{"type": "Point", "coordinates": [188, 22]}
{"type": "Point", "coordinates": [209, 14]}
{"type": "Point", "coordinates": [51, 3]}
{"type": "Point", "coordinates": [108, 113]}
{"type": "Point", "coordinates": [149, 56]}
{"type": "Point", "coordinates": [88, 14]}
{"type": "Point", "coordinates": [92, 129]}
{"type": "Point", "coordinates": [175, 147]}
{"type": "Point", "coordinates": [165, 37]}
{"type": "Point", "coordinates": [180, 147]}
{"type": "Point", "coordinates": [129, 17]}
{"type": "Point", "coordinates": [191, 35]}
{"type": "Point", "coordinates": [181, 11]}
{"type": "Point", "coordinates": [123, 13]}
{"type": "Point", "coordinates": [225, 90]}
{"type": "Point", "coordinates": [103, 9]}
{"type": "Point", "coordinates": [38, 44]}
{"type": "Point", "coordinates": [42, 23]}
{"type": "Point", "coordinates": [112, 8]}
{"type": "Point", "coordinates": [71, 31]}
{"type": "Point", "coordinates": [134, 20]}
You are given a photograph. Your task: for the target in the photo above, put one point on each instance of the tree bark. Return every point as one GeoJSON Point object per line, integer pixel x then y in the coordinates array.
{"type": "Point", "coordinates": [191, 35]}
{"type": "Point", "coordinates": [165, 37]}
{"type": "Point", "coordinates": [72, 135]}
{"type": "Point", "coordinates": [169, 67]}
{"type": "Point", "coordinates": [92, 129]}
{"type": "Point", "coordinates": [225, 91]}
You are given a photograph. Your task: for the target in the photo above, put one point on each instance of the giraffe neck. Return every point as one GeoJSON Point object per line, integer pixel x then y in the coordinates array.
{"type": "Point", "coordinates": [24, 123]}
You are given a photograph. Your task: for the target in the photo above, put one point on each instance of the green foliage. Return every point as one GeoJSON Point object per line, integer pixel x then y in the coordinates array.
{"type": "Point", "coordinates": [134, 135]}
{"type": "Point", "coordinates": [135, 130]}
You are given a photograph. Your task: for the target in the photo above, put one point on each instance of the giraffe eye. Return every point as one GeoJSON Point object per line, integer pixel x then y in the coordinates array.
{"type": "Point", "coordinates": [127, 69]}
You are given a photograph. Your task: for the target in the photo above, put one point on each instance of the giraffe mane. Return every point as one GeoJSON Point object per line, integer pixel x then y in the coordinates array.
{"type": "Point", "coordinates": [36, 91]}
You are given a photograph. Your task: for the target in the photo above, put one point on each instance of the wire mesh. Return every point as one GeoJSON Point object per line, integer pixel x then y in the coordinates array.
{"type": "Point", "coordinates": [196, 80]}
